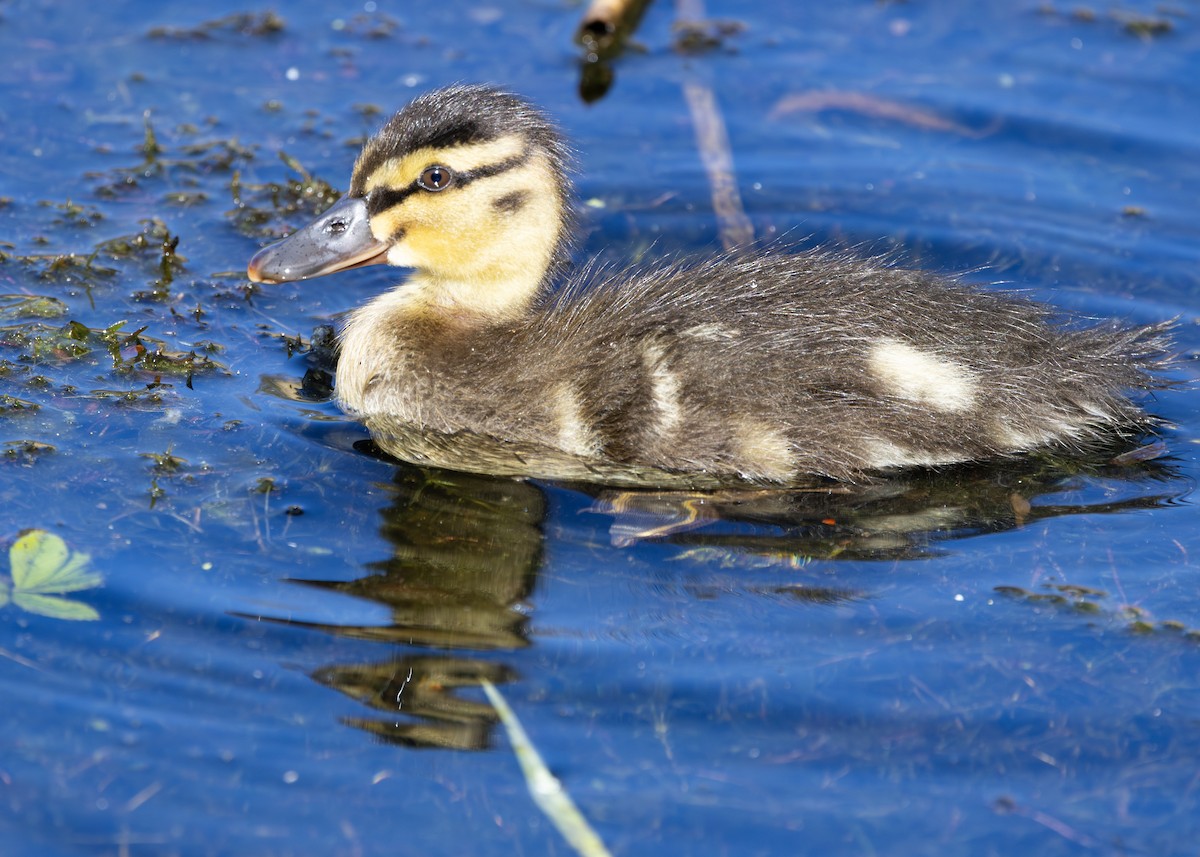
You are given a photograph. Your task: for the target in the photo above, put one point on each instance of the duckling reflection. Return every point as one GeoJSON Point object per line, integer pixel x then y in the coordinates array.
{"type": "Point", "coordinates": [465, 556]}
{"type": "Point", "coordinates": [467, 552]}
{"type": "Point", "coordinates": [904, 517]}
{"type": "Point", "coordinates": [417, 695]}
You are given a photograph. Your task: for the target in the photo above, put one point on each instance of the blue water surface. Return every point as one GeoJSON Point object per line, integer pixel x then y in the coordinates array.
{"type": "Point", "coordinates": [292, 631]}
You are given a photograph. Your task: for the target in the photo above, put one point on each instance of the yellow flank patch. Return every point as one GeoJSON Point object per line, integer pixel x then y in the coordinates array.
{"type": "Point", "coordinates": [918, 376]}
{"type": "Point", "coordinates": [399, 173]}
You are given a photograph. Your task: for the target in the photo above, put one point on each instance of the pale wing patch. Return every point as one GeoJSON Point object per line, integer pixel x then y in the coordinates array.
{"type": "Point", "coordinates": [712, 331]}
{"type": "Point", "coordinates": [574, 434]}
{"type": "Point", "coordinates": [1051, 430]}
{"type": "Point", "coordinates": [915, 375]}
{"type": "Point", "coordinates": [1093, 410]}
{"type": "Point", "coordinates": [763, 452]}
{"type": "Point", "coordinates": [664, 390]}
{"type": "Point", "coordinates": [882, 454]}
{"type": "Point", "coordinates": [1016, 440]}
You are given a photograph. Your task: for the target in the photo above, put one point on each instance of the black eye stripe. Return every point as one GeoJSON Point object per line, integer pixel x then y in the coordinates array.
{"type": "Point", "coordinates": [492, 169]}
{"type": "Point", "coordinates": [382, 199]}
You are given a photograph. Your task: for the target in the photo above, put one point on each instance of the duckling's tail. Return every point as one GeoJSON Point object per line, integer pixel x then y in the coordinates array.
{"type": "Point", "coordinates": [1137, 358]}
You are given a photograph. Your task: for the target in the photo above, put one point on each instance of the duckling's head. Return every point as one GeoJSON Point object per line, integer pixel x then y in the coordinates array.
{"type": "Point", "coordinates": [468, 186]}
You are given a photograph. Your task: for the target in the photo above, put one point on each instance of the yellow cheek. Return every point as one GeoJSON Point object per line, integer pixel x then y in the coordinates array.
{"type": "Point", "coordinates": [438, 248]}
{"type": "Point", "coordinates": [435, 234]}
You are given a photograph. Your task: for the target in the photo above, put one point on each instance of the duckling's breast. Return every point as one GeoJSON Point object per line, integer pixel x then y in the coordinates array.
{"type": "Point", "coordinates": [447, 374]}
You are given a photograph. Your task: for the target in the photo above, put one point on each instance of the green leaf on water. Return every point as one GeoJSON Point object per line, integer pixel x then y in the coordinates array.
{"type": "Point", "coordinates": [55, 608]}
{"type": "Point", "coordinates": [40, 562]}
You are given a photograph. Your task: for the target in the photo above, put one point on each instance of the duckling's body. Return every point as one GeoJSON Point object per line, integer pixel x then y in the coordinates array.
{"type": "Point", "coordinates": [760, 367]}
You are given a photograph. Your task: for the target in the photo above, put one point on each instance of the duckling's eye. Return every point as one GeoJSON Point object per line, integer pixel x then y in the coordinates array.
{"type": "Point", "coordinates": [436, 178]}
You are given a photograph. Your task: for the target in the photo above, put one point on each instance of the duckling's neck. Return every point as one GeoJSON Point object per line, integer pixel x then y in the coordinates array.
{"type": "Point", "coordinates": [397, 349]}
{"type": "Point", "coordinates": [492, 296]}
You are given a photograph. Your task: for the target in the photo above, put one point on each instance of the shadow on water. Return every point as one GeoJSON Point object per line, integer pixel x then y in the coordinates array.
{"type": "Point", "coordinates": [467, 551]}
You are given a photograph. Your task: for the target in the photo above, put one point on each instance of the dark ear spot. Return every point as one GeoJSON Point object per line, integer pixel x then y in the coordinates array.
{"type": "Point", "coordinates": [511, 203]}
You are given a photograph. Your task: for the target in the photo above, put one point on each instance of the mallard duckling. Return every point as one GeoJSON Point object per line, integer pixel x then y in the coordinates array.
{"type": "Point", "coordinates": [759, 367]}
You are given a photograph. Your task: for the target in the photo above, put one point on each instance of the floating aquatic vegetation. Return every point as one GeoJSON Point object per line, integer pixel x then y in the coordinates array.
{"type": "Point", "coordinates": [185, 164]}
{"type": "Point", "coordinates": [74, 214]}
{"type": "Point", "coordinates": [1091, 602]}
{"type": "Point", "coordinates": [262, 210]}
{"type": "Point", "coordinates": [163, 465]}
{"type": "Point", "coordinates": [41, 568]}
{"type": "Point", "coordinates": [129, 351]}
{"type": "Point", "coordinates": [185, 199]}
{"type": "Point", "coordinates": [16, 307]}
{"type": "Point", "coordinates": [164, 462]}
{"type": "Point", "coordinates": [316, 385]}
{"type": "Point", "coordinates": [67, 268]}
{"type": "Point", "coordinates": [699, 37]}
{"type": "Point", "coordinates": [11, 406]}
{"type": "Point", "coordinates": [169, 262]}
{"type": "Point", "coordinates": [265, 485]}
{"type": "Point", "coordinates": [26, 451]}
{"type": "Point", "coordinates": [256, 24]}
{"type": "Point", "coordinates": [154, 243]}
{"type": "Point", "coordinates": [373, 25]}
{"type": "Point", "coordinates": [213, 155]}
{"type": "Point", "coordinates": [150, 396]}
{"type": "Point", "coordinates": [1144, 26]}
